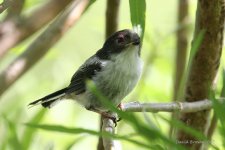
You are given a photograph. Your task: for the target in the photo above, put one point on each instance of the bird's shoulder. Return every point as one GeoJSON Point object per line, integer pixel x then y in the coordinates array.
{"type": "Point", "coordinates": [86, 71]}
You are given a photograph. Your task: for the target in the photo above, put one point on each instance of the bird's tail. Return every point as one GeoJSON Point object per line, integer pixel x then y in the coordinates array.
{"type": "Point", "coordinates": [50, 100]}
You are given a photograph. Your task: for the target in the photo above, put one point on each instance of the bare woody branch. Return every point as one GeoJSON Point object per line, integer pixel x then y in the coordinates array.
{"type": "Point", "coordinates": [181, 52]}
{"type": "Point", "coordinates": [214, 120]}
{"type": "Point", "coordinates": [40, 46]}
{"type": "Point", "coordinates": [210, 16]}
{"type": "Point", "coordinates": [109, 143]}
{"type": "Point", "coordinates": [13, 31]}
{"type": "Point", "coordinates": [184, 107]}
{"type": "Point", "coordinates": [181, 45]}
{"type": "Point", "coordinates": [15, 9]}
{"type": "Point", "coordinates": [5, 4]}
{"type": "Point", "coordinates": [112, 17]}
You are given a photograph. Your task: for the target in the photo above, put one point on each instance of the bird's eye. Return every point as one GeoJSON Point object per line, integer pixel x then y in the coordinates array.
{"type": "Point", "coordinates": [120, 40]}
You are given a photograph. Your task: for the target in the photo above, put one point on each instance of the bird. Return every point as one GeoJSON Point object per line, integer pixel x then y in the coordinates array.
{"type": "Point", "coordinates": [114, 69]}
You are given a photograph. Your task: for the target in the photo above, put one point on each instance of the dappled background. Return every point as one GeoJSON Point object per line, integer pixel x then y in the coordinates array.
{"type": "Point", "coordinates": [55, 70]}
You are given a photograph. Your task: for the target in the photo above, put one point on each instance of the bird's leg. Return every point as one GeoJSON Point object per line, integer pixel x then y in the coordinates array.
{"type": "Point", "coordinates": [111, 116]}
{"type": "Point", "coordinates": [120, 107]}
{"type": "Point", "coordinates": [105, 114]}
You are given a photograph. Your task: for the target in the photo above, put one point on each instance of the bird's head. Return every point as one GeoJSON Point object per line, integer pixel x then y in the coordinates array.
{"type": "Point", "coordinates": [120, 41]}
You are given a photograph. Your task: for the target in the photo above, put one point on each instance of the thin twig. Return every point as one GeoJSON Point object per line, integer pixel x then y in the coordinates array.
{"type": "Point", "coordinates": [212, 126]}
{"type": "Point", "coordinates": [12, 32]}
{"type": "Point", "coordinates": [112, 15]}
{"type": "Point", "coordinates": [181, 45]}
{"type": "Point", "coordinates": [184, 107]}
{"type": "Point", "coordinates": [214, 119]}
{"type": "Point", "coordinates": [109, 127]}
{"type": "Point", "coordinates": [204, 65]}
{"type": "Point", "coordinates": [15, 9]}
{"type": "Point", "coordinates": [40, 46]}
{"type": "Point", "coordinates": [181, 54]}
{"type": "Point", "coordinates": [5, 4]}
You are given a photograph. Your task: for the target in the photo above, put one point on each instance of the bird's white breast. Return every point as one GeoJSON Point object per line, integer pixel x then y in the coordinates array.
{"type": "Point", "coordinates": [117, 78]}
{"type": "Point", "coordinates": [120, 74]}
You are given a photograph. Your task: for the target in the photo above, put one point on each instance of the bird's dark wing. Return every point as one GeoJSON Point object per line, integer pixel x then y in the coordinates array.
{"type": "Point", "coordinates": [86, 71]}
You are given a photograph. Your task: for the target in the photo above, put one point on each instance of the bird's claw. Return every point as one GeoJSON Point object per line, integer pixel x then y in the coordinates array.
{"type": "Point", "coordinates": [112, 117]}
{"type": "Point", "coordinates": [109, 115]}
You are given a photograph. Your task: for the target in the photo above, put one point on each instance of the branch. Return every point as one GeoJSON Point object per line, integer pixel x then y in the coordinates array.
{"type": "Point", "coordinates": [5, 4]}
{"type": "Point", "coordinates": [14, 31]}
{"type": "Point", "coordinates": [210, 17]}
{"type": "Point", "coordinates": [112, 17]}
{"type": "Point", "coordinates": [184, 107]}
{"type": "Point", "coordinates": [15, 9]}
{"type": "Point", "coordinates": [181, 46]}
{"type": "Point", "coordinates": [109, 143]}
{"type": "Point", "coordinates": [112, 13]}
{"type": "Point", "coordinates": [181, 53]}
{"type": "Point", "coordinates": [214, 120]}
{"type": "Point", "coordinates": [212, 126]}
{"type": "Point", "coordinates": [39, 47]}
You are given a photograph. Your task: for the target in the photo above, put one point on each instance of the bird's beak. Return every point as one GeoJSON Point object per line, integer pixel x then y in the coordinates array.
{"type": "Point", "coordinates": [135, 39]}
{"type": "Point", "coordinates": [136, 42]}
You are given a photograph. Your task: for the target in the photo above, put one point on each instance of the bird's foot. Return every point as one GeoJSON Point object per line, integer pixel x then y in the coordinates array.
{"type": "Point", "coordinates": [113, 116]}
{"type": "Point", "coordinates": [120, 106]}
{"type": "Point", "coordinates": [110, 115]}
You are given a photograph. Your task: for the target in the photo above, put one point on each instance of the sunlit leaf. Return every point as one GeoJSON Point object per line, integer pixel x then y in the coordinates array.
{"type": "Point", "coordinates": [137, 15]}
{"type": "Point", "coordinates": [27, 138]}
{"type": "Point", "coordinates": [58, 128]}
{"type": "Point", "coordinates": [219, 109]}
{"type": "Point", "coordinates": [13, 137]}
{"type": "Point", "coordinates": [90, 3]}
{"type": "Point", "coordinates": [194, 48]}
{"type": "Point", "coordinates": [144, 130]}
{"type": "Point", "coordinates": [69, 146]}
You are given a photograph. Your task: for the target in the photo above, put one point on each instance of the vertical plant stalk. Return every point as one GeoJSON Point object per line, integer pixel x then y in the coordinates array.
{"type": "Point", "coordinates": [181, 53]}
{"type": "Point", "coordinates": [16, 9]}
{"type": "Point", "coordinates": [109, 143]}
{"type": "Point", "coordinates": [214, 120]}
{"type": "Point", "coordinates": [112, 17]}
{"type": "Point", "coordinates": [182, 43]}
{"type": "Point", "coordinates": [210, 17]}
{"type": "Point", "coordinates": [14, 31]}
{"type": "Point", "coordinates": [41, 45]}
{"type": "Point", "coordinates": [212, 126]}
{"type": "Point", "coordinates": [5, 4]}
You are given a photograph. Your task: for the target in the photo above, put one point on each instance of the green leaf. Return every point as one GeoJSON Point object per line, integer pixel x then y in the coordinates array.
{"type": "Point", "coordinates": [182, 126]}
{"type": "Point", "coordinates": [69, 146]}
{"type": "Point", "coordinates": [90, 3]}
{"type": "Point", "coordinates": [29, 133]}
{"type": "Point", "coordinates": [223, 88]}
{"type": "Point", "coordinates": [144, 130]}
{"type": "Point", "coordinates": [4, 141]}
{"type": "Point", "coordinates": [58, 128]}
{"type": "Point", "coordinates": [13, 137]}
{"type": "Point", "coordinates": [219, 109]}
{"type": "Point", "coordinates": [137, 15]}
{"type": "Point", "coordinates": [194, 48]}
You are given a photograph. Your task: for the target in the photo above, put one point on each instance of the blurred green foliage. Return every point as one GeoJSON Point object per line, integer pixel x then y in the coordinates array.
{"type": "Point", "coordinates": [55, 70]}
{"type": "Point", "coordinates": [137, 15]}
